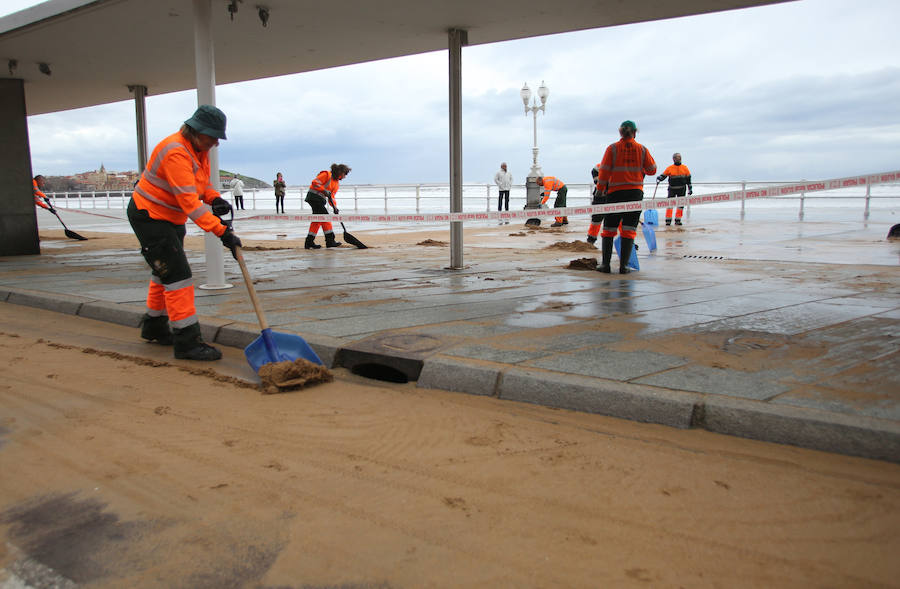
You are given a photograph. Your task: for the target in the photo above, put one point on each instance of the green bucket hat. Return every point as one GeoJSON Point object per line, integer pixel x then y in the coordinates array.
{"type": "Point", "coordinates": [628, 125]}
{"type": "Point", "coordinates": [208, 120]}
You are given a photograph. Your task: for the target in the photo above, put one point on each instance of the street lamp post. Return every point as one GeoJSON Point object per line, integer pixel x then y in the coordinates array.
{"type": "Point", "coordinates": [532, 190]}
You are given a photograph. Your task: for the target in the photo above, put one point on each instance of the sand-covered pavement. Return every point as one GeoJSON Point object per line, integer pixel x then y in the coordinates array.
{"type": "Point", "coordinates": [120, 467]}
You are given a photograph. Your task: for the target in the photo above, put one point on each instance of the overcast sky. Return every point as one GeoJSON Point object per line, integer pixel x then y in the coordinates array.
{"type": "Point", "coordinates": [803, 90]}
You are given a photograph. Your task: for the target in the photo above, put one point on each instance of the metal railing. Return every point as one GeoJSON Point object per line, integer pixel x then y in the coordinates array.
{"type": "Point", "coordinates": [427, 197]}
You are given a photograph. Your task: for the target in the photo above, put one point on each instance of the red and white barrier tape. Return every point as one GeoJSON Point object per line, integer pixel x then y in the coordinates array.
{"type": "Point", "coordinates": [659, 203]}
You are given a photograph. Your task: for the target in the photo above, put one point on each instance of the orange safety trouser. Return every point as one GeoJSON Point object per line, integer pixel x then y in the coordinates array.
{"type": "Point", "coordinates": [314, 227]}
{"type": "Point", "coordinates": [612, 233]}
{"type": "Point", "coordinates": [678, 214]}
{"type": "Point", "coordinates": [594, 229]}
{"type": "Point", "coordinates": [175, 300]}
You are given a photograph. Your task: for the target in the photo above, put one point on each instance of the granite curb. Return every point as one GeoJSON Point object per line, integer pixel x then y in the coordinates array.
{"type": "Point", "coordinates": [866, 437]}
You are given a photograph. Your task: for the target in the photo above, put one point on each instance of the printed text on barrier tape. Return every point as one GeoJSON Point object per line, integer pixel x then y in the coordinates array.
{"type": "Point", "coordinates": [659, 203]}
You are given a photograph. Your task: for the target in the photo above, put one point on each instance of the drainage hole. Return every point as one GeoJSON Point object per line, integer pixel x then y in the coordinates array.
{"type": "Point", "coordinates": [380, 372]}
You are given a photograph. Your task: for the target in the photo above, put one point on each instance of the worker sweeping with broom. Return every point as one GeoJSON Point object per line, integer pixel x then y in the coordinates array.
{"type": "Point", "coordinates": [322, 191]}
{"type": "Point", "coordinates": [176, 186]}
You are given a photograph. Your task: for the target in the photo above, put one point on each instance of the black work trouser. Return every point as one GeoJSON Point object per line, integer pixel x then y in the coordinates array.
{"type": "Point", "coordinates": [162, 245]}
{"type": "Point", "coordinates": [629, 219]}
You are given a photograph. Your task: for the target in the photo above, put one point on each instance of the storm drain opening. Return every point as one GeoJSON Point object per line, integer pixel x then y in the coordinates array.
{"type": "Point", "coordinates": [695, 257]}
{"type": "Point", "coordinates": [380, 372]}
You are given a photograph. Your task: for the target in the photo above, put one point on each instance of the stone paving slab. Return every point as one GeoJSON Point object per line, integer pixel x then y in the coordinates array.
{"type": "Point", "coordinates": [609, 364]}
{"type": "Point", "coordinates": [719, 381]}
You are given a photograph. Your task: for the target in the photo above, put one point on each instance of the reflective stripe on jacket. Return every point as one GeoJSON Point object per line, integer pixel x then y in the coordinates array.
{"type": "Point", "coordinates": [175, 185]}
{"type": "Point", "coordinates": [624, 165]}
{"type": "Point", "coordinates": [325, 186]}
{"type": "Point", "coordinates": [40, 199]}
{"type": "Point", "coordinates": [678, 176]}
{"type": "Point", "coordinates": [551, 183]}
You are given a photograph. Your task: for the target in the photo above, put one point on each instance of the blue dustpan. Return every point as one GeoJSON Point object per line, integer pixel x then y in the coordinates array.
{"type": "Point", "coordinates": [649, 236]}
{"type": "Point", "coordinates": [271, 346]}
{"type": "Point", "coordinates": [633, 260]}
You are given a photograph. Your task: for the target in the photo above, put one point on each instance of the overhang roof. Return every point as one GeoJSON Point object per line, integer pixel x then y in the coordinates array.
{"type": "Point", "coordinates": [96, 49]}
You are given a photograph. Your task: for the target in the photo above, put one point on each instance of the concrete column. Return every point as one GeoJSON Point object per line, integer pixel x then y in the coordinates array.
{"type": "Point", "coordinates": [205, 66]}
{"type": "Point", "coordinates": [457, 38]}
{"type": "Point", "coordinates": [140, 119]}
{"type": "Point", "coordinates": [18, 219]}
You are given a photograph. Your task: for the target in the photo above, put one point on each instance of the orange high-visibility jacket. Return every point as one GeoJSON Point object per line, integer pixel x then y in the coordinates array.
{"type": "Point", "coordinates": [175, 185]}
{"type": "Point", "coordinates": [325, 186]}
{"type": "Point", "coordinates": [624, 165]}
{"type": "Point", "coordinates": [678, 176]}
{"type": "Point", "coordinates": [39, 197]}
{"type": "Point", "coordinates": [550, 184]}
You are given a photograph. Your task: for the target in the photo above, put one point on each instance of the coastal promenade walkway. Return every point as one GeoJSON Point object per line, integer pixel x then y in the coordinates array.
{"type": "Point", "coordinates": [766, 328]}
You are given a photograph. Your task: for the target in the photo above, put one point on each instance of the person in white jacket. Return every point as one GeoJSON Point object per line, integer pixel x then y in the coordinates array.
{"type": "Point", "coordinates": [237, 191]}
{"type": "Point", "coordinates": [503, 180]}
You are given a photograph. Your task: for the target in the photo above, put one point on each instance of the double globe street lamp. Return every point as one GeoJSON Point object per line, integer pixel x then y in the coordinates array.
{"type": "Point", "coordinates": [532, 190]}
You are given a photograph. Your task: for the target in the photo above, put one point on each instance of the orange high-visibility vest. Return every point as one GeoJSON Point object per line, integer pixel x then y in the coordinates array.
{"type": "Point", "coordinates": [678, 175]}
{"type": "Point", "coordinates": [39, 196]}
{"type": "Point", "coordinates": [325, 186]}
{"type": "Point", "coordinates": [175, 185]}
{"type": "Point", "coordinates": [624, 165]}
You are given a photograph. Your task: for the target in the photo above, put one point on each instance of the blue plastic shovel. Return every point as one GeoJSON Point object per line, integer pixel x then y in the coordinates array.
{"type": "Point", "coordinates": [633, 260]}
{"type": "Point", "coordinates": [271, 346]}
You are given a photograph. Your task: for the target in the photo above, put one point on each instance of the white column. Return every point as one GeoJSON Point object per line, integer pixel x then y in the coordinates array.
{"type": "Point", "coordinates": [205, 66]}
{"type": "Point", "coordinates": [457, 38]}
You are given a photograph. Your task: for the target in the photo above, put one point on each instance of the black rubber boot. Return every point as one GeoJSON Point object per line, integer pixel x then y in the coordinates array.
{"type": "Point", "coordinates": [668, 222]}
{"type": "Point", "coordinates": [189, 345]}
{"type": "Point", "coordinates": [156, 329]}
{"type": "Point", "coordinates": [678, 221]}
{"type": "Point", "coordinates": [330, 241]}
{"type": "Point", "coordinates": [311, 243]}
{"type": "Point", "coordinates": [591, 239]}
{"type": "Point", "coordinates": [607, 245]}
{"type": "Point", "coordinates": [627, 245]}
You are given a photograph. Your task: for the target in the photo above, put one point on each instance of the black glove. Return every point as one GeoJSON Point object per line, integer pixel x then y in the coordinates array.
{"type": "Point", "coordinates": [336, 211]}
{"type": "Point", "coordinates": [231, 241]}
{"type": "Point", "coordinates": [690, 190]}
{"type": "Point", "coordinates": [661, 177]}
{"type": "Point", "coordinates": [220, 207]}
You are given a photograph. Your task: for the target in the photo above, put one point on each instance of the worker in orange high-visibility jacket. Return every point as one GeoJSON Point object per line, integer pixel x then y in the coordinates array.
{"type": "Point", "coordinates": [549, 184]}
{"type": "Point", "coordinates": [621, 175]}
{"type": "Point", "coordinates": [174, 187]}
{"type": "Point", "coordinates": [322, 191]}
{"type": "Point", "coordinates": [679, 178]}
{"type": "Point", "coordinates": [40, 199]}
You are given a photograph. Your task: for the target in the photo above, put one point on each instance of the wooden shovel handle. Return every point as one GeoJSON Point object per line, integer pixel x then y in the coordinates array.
{"type": "Point", "coordinates": [263, 324]}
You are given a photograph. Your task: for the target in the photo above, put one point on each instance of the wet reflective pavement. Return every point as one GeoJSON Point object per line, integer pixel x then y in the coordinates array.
{"type": "Point", "coordinates": [727, 321]}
